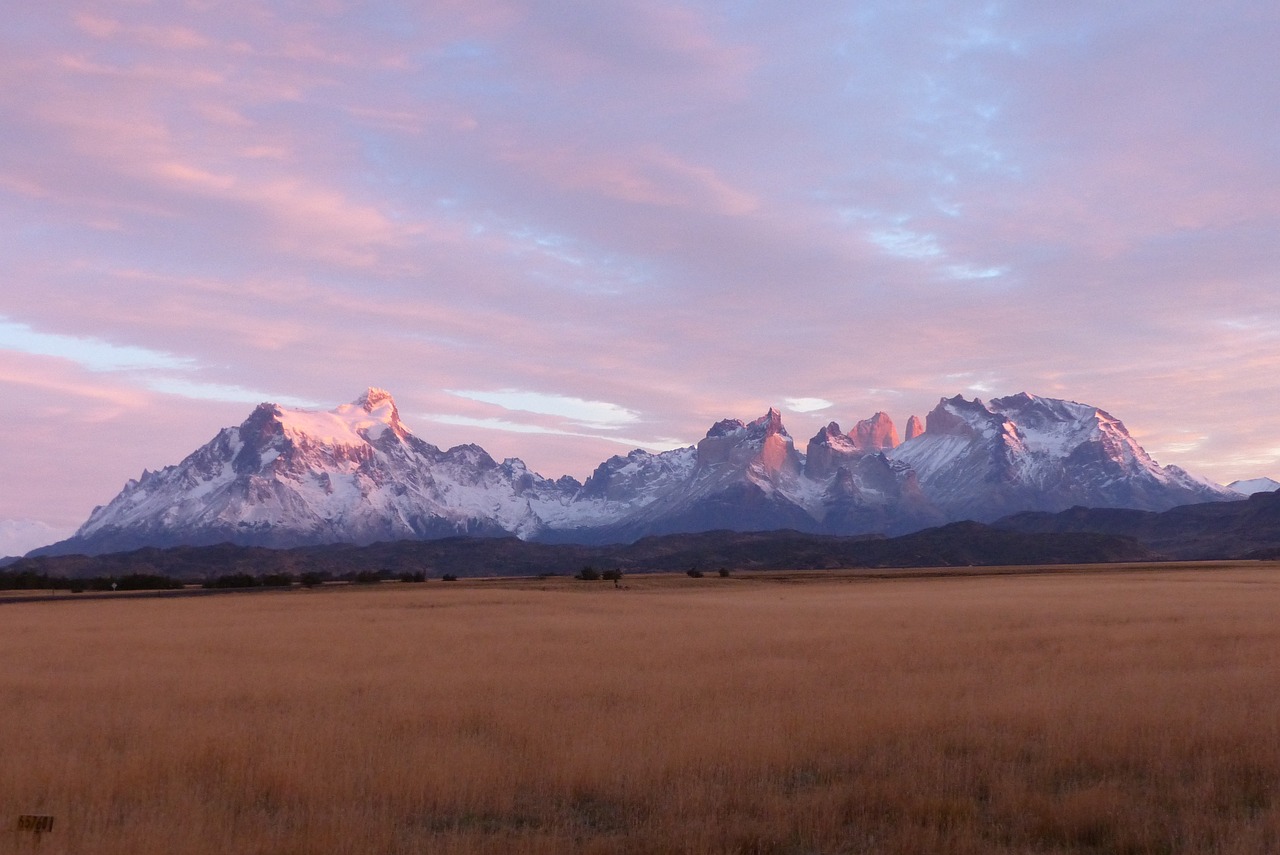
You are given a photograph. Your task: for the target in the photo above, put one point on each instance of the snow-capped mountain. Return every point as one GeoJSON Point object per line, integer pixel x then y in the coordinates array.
{"type": "Point", "coordinates": [1250, 486]}
{"type": "Point", "coordinates": [290, 477]}
{"type": "Point", "coordinates": [356, 474]}
{"type": "Point", "coordinates": [983, 461]}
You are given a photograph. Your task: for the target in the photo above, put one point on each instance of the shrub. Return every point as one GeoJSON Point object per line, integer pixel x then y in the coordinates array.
{"type": "Point", "coordinates": [695, 573]}
{"type": "Point", "coordinates": [311, 579]}
{"type": "Point", "coordinates": [413, 577]}
{"type": "Point", "coordinates": [611, 575]}
{"type": "Point", "coordinates": [368, 577]}
{"type": "Point", "coordinates": [724, 572]}
{"type": "Point", "coordinates": [589, 574]}
{"type": "Point", "coordinates": [449, 577]}
{"type": "Point", "coordinates": [277, 580]}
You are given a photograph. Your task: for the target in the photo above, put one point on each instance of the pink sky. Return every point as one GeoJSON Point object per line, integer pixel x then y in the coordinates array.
{"type": "Point", "coordinates": [561, 230]}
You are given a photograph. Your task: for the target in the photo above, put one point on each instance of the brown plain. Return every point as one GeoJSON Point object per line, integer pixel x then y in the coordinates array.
{"type": "Point", "coordinates": [1131, 711]}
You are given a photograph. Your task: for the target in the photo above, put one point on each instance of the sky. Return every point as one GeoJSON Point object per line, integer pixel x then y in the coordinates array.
{"type": "Point", "coordinates": [564, 230]}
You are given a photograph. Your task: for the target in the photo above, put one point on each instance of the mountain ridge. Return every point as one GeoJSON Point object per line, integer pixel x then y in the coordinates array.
{"type": "Point", "coordinates": [287, 477]}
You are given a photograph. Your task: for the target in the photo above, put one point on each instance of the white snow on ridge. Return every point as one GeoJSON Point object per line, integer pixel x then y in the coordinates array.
{"type": "Point", "coordinates": [347, 426]}
{"type": "Point", "coordinates": [1249, 486]}
{"type": "Point", "coordinates": [928, 453]}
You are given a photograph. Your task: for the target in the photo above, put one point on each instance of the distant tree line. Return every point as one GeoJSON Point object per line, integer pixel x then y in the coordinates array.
{"type": "Point", "coordinates": [28, 581]}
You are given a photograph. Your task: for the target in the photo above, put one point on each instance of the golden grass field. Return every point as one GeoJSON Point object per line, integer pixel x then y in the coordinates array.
{"type": "Point", "coordinates": [1117, 712]}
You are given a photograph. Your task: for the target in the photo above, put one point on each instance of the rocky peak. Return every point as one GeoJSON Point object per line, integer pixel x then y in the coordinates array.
{"type": "Point", "coordinates": [958, 417]}
{"type": "Point", "coordinates": [763, 444]}
{"type": "Point", "coordinates": [875, 434]}
{"type": "Point", "coordinates": [829, 435]}
{"type": "Point", "coordinates": [724, 427]}
{"type": "Point", "coordinates": [379, 404]}
{"type": "Point", "coordinates": [769, 424]}
{"type": "Point", "coordinates": [915, 427]}
{"type": "Point", "coordinates": [828, 449]}
{"type": "Point", "coordinates": [374, 397]}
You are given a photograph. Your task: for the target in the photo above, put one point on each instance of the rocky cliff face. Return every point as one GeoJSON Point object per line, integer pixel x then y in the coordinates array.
{"type": "Point", "coordinates": [875, 434]}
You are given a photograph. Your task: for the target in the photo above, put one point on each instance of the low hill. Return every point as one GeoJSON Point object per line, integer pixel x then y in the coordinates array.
{"type": "Point", "coordinates": [957, 544]}
{"type": "Point", "coordinates": [1210, 530]}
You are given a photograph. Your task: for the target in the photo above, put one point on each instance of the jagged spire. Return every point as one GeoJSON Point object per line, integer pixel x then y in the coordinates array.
{"type": "Point", "coordinates": [876, 433]}
{"type": "Point", "coordinates": [771, 422]}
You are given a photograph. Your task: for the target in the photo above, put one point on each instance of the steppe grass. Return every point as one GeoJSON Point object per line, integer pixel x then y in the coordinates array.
{"type": "Point", "coordinates": [1117, 713]}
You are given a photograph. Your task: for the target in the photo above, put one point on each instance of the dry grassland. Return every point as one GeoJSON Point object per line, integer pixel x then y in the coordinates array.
{"type": "Point", "coordinates": [1129, 713]}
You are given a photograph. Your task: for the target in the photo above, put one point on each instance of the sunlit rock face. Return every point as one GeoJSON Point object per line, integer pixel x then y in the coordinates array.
{"type": "Point", "coordinates": [915, 427]}
{"type": "Point", "coordinates": [875, 434]}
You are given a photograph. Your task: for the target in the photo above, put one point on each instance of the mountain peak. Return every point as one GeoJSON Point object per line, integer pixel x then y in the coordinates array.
{"type": "Point", "coordinates": [770, 423]}
{"type": "Point", "coordinates": [876, 433]}
{"type": "Point", "coordinates": [1249, 486]}
{"type": "Point", "coordinates": [373, 398]}
{"type": "Point", "coordinates": [379, 404]}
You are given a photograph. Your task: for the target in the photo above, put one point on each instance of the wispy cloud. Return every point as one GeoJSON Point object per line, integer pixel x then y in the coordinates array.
{"type": "Point", "coordinates": [510, 426]}
{"type": "Point", "coordinates": [92, 353]}
{"type": "Point", "coordinates": [600, 415]}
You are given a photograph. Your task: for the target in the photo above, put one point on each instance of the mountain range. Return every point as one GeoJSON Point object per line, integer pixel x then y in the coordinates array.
{"type": "Point", "coordinates": [288, 477]}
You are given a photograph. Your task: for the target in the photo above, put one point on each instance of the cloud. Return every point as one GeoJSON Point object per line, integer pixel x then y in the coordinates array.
{"type": "Point", "coordinates": [509, 426]}
{"type": "Point", "coordinates": [144, 368]}
{"type": "Point", "coordinates": [807, 405]}
{"type": "Point", "coordinates": [227, 393]}
{"type": "Point", "coordinates": [594, 414]}
{"type": "Point", "coordinates": [92, 353]}
{"type": "Point", "coordinates": [18, 537]}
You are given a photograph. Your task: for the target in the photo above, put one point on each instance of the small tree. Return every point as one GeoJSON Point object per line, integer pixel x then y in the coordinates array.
{"type": "Point", "coordinates": [612, 575]}
{"type": "Point", "coordinates": [589, 574]}
{"type": "Point", "coordinates": [724, 572]}
{"type": "Point", "coordinates": [694, 573]}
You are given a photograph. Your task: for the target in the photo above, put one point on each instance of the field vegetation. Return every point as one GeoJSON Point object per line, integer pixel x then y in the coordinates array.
{"type": "Point", "coordinates": [1118, 712]}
